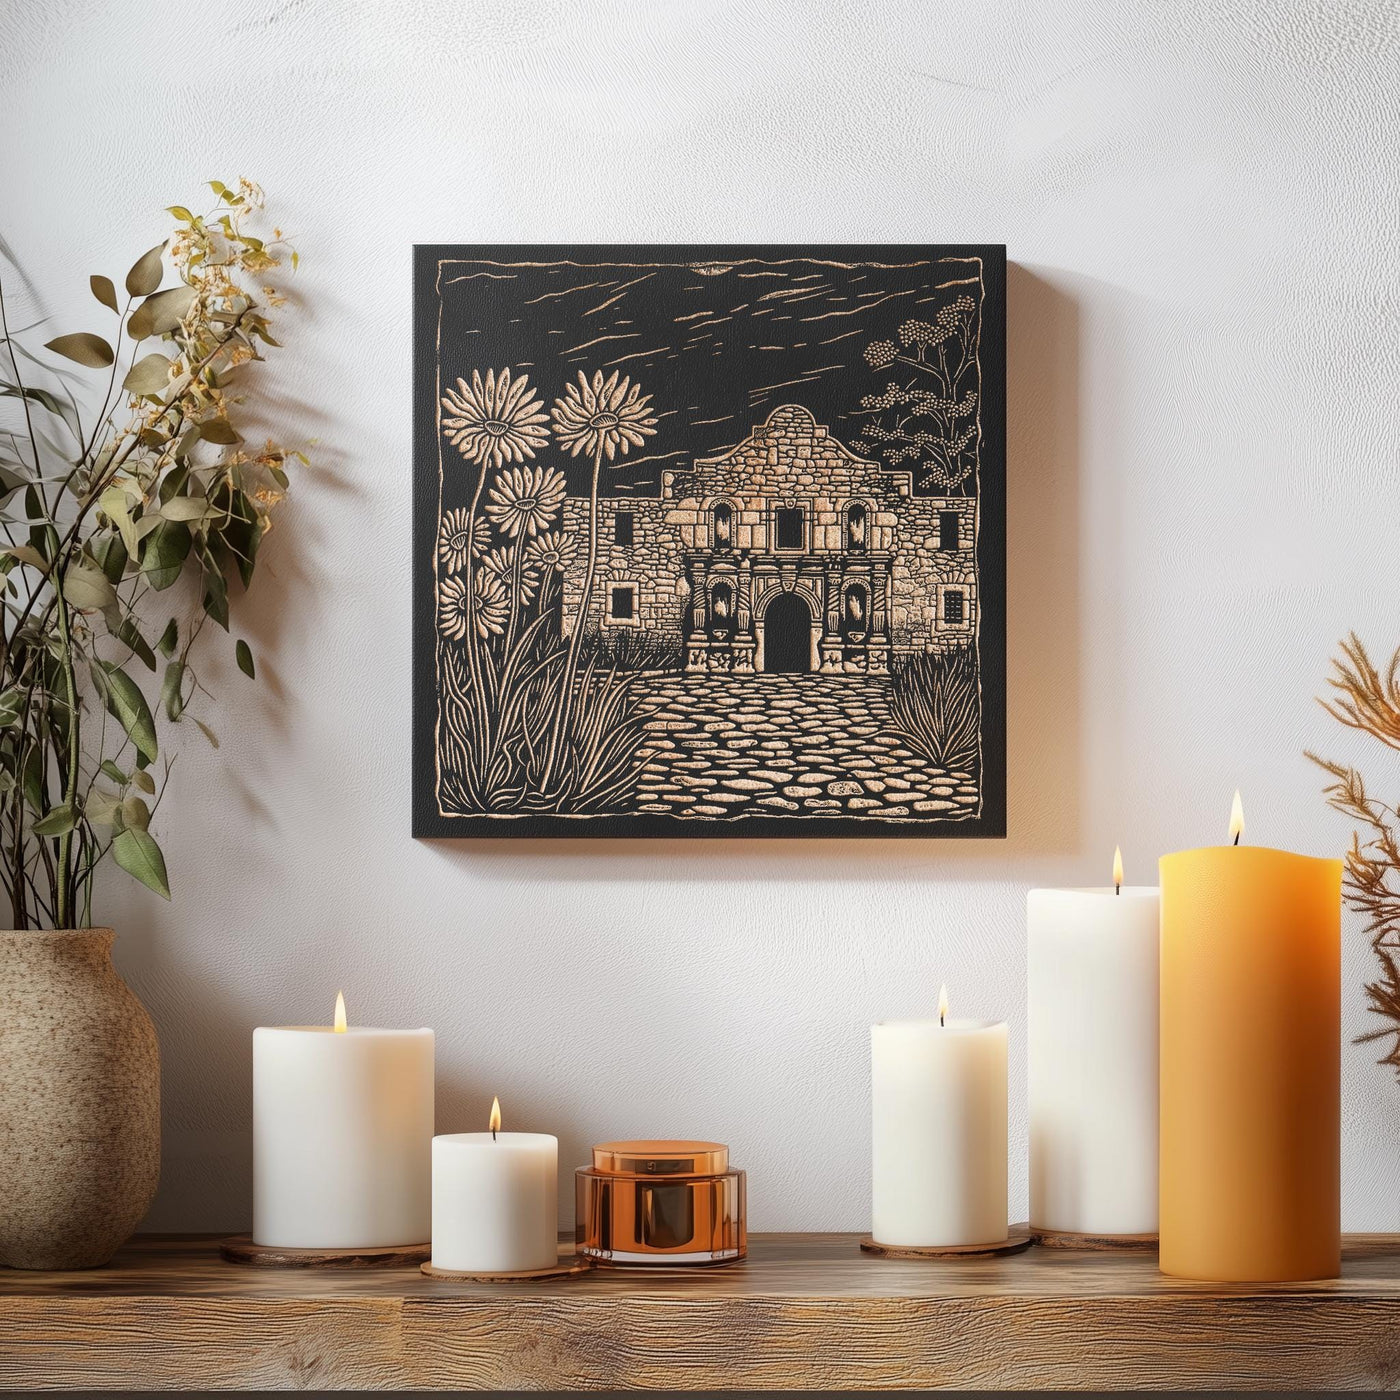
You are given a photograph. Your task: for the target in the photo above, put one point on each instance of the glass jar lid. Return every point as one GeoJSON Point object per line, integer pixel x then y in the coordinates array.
{"type": "Point", "coordinates": [661, 1157]}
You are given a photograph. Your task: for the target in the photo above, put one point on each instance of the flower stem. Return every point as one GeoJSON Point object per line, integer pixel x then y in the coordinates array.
{"type": "Point", "coordinates": [62, 912]}
{"type": "Point", "coordinates": [561, 726]}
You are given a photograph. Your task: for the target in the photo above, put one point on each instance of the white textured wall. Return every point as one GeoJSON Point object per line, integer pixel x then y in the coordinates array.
{"type": "Point", "coordinates": [1201, 201]}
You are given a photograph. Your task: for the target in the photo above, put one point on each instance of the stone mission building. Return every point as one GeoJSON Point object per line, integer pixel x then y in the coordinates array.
{"type": "Point", "coordinates": [787, 552]}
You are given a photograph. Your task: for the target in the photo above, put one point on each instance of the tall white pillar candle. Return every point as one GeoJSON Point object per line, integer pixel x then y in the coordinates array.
{"type": "Point", "coordinates": [939, 1132]}
{"type": "Point", "coordinates": [342, 1135]}
{"type": "Point", "coordinates": [495, 1201]}
{"type": "Point", "coordinates": [1093, 976]}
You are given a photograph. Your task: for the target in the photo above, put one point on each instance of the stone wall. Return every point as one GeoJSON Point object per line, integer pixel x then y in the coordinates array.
{"type": "Point", "coordinates": [788, 461]}
{"type": "Point", "coordinates": [923, 573]}
{"type": "Point", "coordinates": [651, 562]}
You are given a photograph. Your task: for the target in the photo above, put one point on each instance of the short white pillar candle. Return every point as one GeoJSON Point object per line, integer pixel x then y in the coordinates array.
{"type": "Point", "coordinates": [1092, 993]}
{"type": "Point", "coordinates": [342, 1133]}
{"type": "Point", "coordinates": [495, 1201]}
{"type": "Point", "coordinates": [938, 1132]}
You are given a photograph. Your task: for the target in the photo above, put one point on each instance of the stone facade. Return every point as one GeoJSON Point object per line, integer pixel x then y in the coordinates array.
{"type": "Point", "coordinates": [787, 552]}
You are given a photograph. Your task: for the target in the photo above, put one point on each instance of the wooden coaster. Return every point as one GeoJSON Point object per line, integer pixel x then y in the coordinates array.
{"type": "Point", "coordinates": [1070, 1239]}
{"type": "Point", "coordinates": [240, 1249]}
{"type": "Point", "coordinates": [1018, 1237]}
{"type": "Point", "coordinates": [568, 1265]}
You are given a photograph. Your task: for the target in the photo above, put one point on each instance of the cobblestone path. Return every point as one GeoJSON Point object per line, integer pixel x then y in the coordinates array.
{"type": "Point", "coordinates": [787, 745]}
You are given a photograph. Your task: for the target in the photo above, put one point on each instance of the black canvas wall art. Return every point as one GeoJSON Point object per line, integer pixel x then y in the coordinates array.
{"type": "Point", "coordinates": [709, 541]}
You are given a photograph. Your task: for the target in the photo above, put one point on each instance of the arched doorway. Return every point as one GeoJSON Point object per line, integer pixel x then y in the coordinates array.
{"type": "Point", "coordinates": [787, 634]}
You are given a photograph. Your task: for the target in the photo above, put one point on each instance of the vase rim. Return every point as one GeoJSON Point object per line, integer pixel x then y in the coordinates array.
{"type": "Point", "coordinates": [96, 930]}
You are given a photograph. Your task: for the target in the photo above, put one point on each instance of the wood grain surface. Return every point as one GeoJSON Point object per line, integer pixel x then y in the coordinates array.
{"type": "Point", "coordinates": [1070, 1239]}
{"type": "Point", "coordinates": [803, 1312]}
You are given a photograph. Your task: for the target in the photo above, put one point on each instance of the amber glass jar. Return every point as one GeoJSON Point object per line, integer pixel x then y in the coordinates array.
{"type": "Point", "coordinates": [660, 1203]}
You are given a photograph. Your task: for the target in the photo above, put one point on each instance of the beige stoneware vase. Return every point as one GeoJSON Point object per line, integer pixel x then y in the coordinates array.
{"type": "Point", "coordinates": [79, 1101]}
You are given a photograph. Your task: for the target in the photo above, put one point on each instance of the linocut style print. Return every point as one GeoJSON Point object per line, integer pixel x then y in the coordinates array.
{"type": "Point", "coordinates": [709, 541]}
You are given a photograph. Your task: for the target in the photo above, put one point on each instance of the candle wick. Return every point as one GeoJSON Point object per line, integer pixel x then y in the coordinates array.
{"type": "Point", "coordinates": [940, 1018]}
{"type": "Point", "coordinates": [493, 1135]}
{"type": "Point", "coordinates": [1117, 888]}
{"type": "Point", "coordinates": [1237, 838]}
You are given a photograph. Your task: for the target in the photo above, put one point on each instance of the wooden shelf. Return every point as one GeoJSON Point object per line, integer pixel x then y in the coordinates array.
{"type": "Point", "coordinates": [804, 1312]}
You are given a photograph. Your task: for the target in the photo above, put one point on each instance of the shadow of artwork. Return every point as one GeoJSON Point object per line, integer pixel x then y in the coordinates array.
{"type": "Point", "coordinates": [1043, 644]}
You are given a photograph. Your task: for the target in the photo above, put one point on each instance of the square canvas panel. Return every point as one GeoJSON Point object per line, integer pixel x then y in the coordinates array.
{"type": "Point", "coordinates": [709, 541]}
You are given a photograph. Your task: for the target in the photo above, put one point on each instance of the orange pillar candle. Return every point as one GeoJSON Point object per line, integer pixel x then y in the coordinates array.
{"type": "Point", "coordinates": [1250, 1064]}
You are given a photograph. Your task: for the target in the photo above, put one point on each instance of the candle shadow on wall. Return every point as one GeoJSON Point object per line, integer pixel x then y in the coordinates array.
{"type": "Point", "coordinates": [1043, 636]}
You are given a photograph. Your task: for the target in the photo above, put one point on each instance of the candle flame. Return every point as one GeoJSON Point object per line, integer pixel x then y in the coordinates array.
{"type": "Point", "coordinates": [1118, 868]}
{"type": "Point", "coordinates": [340, 1022]}
{"type": "Point", "coordinates": [1236, 818]}
{"type": "Point", "coordinates": [942, 1003]}
{"type": "Point", "coordinates": [495, 1124]}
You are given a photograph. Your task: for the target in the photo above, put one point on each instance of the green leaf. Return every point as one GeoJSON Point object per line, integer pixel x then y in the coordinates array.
{"type": "Point", "coordinates": [164, 552]}
{"type": "Point", "coordinates": [180, 212]}
{"type": "Point", "coordinates": [173, 482]}
{"type": "Point", "coordinates": [137, 853]}
{"type": "Point", "coordinates": [103, 808]}
{"type": "Point", "coordinates": [129, 709]}
{"type": "Point", "coordinates": [27, 555]}
{"type": "Point", "coordinates": [135, 813]}
{"type": "Point", "coordinates": [208, 733]}
{"type": "Point", "coordinates": [149, 375]}
{"type": "Point", "coordinates": [11, 707]}
{"type": "Point", "coordinates": [245, 659]}
{"type": "Point", "coordinates": [104, 291]}
{"type": "Point", "coordinates": [88, 590]}
{"type": "Point", "coordinates": [58, 822]}
{"type": "Point", "coordinates": [170, 695]}
{"type": "Point", "coordinates": [130, 634]}
{"type": "Point", "coordinates": [31, 780]}
{"type": "Point", "coordinates": [83, 347]}
{"type": "Point", "coordinates": [43, 397]}
{"type": "Point", "coordinates": [169, 639]}
{"type": "Point", "coordinates": [43, 538]}
{"type": "Point", "coordinates": [161, 313]}
{"type": "Point", "coordinates": [114, 773]}
{"type": "Point", "coordinates": [219, 431]}
{"type": "Point", "coordinates": [216, 597]}
{"type": "Point", "coordinates": [111, 555]}
{"type": "Point", "coordinates": [242, 531]}
{"type": "Point", "coordinates": [144, 781]}
{"type": "Point", "coordinates": [146, 273]}
{"type": "Point", "coordinates": [186, 508]}
{"type": "Point", "coordinates": [116, 506]}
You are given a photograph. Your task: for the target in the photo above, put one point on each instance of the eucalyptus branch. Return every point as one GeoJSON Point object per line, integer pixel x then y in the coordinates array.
{"type": "Point", "coordinates": [171, 492]}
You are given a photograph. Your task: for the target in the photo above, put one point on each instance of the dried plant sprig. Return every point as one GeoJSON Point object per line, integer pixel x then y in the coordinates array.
{"type": "Point", "coordinates": [95, 520]}
{"type": "Point", "coordinates": [1370, 703]}
{"type": "Point", "coordinates": [1367, 700]}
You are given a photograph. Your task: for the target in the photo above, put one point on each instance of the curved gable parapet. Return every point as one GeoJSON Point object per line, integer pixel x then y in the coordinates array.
{"type": "Point", "coordinates": [788, 453]}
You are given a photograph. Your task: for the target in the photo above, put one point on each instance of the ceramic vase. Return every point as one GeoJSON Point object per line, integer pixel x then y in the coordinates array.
{"type": "Point", "coordinates": [79, 1101]}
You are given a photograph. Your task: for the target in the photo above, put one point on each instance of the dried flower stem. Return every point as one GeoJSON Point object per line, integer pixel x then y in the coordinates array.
{"type": "Point", "coordinates": [1368, 701]}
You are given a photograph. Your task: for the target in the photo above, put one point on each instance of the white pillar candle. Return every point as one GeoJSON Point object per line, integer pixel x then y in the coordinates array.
{"type": "Point", "coordinates": [939, 1132]}
{"type": "Point", "coordinates": [1092, 959]}
{"type": "Point", "coordinates": [342, 1134]}
{"type": "Point", "coordinates": [495, 1201]}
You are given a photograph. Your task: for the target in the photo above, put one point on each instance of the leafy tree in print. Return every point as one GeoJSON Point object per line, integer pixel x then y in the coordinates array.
{"type": "Point", "coordinates": [930, 419]}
